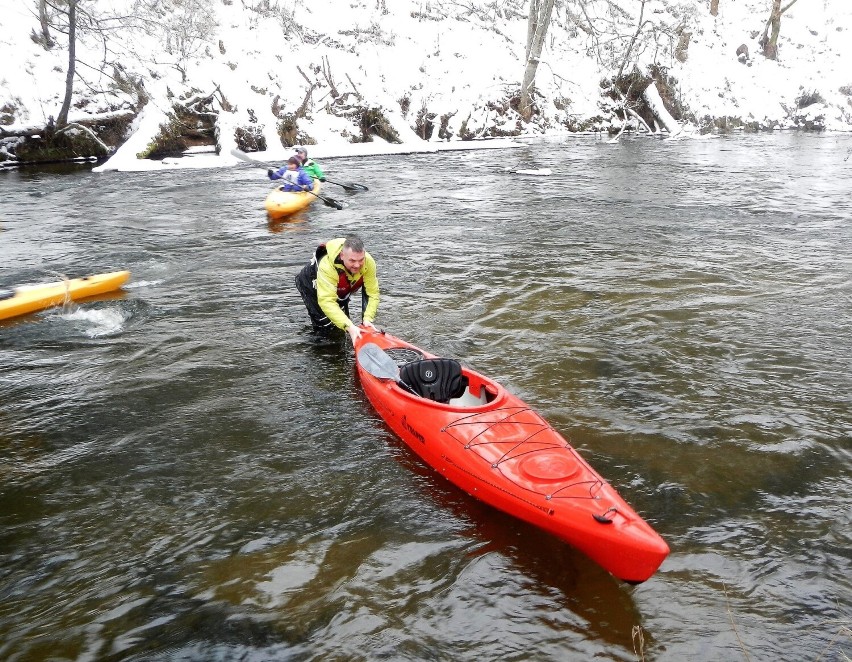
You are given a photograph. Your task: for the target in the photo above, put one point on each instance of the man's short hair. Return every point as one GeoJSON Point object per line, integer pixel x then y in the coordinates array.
{"type": "Point", "coordinates": [354, 243]}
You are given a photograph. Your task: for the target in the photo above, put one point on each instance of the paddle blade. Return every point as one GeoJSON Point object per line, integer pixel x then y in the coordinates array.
{"type": "Point", "coordinates": [242, 156]}
{"type": "Point", "coordinates": [530, 171]}
{"type": "Point", "coordinates": [374, 360]}
{"type": "Point", "coordinates": [331, 202]}
{"type": "Point", "coordinates": [348, 187]}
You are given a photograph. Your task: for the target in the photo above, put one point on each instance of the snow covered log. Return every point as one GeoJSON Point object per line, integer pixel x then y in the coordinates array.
{"type": "Point", "coordinates": [30, 130]}
{"type": "Point", "coordinates": [655, 105]}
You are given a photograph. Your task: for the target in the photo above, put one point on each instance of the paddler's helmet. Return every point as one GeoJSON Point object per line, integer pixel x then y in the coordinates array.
{"type": "Point", "coordinates": [301, 150]}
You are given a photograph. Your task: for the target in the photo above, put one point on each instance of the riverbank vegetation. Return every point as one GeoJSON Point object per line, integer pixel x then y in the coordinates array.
{"type": "Point", "coordinates": [252, 74]}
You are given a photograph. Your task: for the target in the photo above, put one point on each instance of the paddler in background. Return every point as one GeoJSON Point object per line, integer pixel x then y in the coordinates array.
{"type": "Point", "coordinates": [309, 165]}
{"type": "Point", "coordinates": [295, 178]}
{"type": "Point", "coordinates": [338, 268]}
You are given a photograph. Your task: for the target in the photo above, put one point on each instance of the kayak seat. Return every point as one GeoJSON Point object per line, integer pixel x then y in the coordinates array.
{"type": "Point", "coordinates": [435, 379]}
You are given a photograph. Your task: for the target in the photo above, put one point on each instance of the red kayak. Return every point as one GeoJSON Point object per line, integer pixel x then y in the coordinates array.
{"type": "Point", "coordinates": [493, 446]}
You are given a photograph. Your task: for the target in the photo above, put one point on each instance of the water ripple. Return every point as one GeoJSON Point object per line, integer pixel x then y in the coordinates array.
{"type": "Point", "coordinates": [187, 474]}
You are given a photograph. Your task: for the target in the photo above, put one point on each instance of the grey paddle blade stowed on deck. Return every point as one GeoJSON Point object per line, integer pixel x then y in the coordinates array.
{"type": "Point", "coordinates": [374, 360]}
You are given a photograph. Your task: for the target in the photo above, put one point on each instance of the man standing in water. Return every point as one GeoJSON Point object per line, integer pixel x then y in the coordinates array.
{"type": "Point", "coordinates": [337, 269]}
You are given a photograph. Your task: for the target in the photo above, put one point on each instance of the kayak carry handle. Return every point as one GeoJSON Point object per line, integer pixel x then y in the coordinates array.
{"type": "Point", "coordinates": [603, 519]}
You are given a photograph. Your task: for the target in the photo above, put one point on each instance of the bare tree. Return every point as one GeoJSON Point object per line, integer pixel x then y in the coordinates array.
{"type": "Point", "coordinates": [62, 119]}
{"type": "Point", "coordinates": [769, 40]}
{"type": "Point", "coordinates": [183, 27]}
{"type": "Point", "coordinates": [633, 41]}
{"type": "Point", "coordinates": [76, 21]}
{"type": "Point", "coordinates": [537, 24]}
{"type": "Point", "coordinates": [44, 22]}
{"type": "Point", "coordinates": [640, 26]}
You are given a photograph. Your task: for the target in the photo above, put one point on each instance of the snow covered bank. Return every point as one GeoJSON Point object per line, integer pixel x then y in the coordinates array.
{"type": "Point", "coordinates": [434, 73]}
{"type": "Point", "coordinates": [125, 160]}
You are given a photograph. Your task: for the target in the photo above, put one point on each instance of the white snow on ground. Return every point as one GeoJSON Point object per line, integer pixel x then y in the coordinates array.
{"type": "Point", "coordinates": [815, 52]}
{"type": "Point", "coordinates": [396, 56]}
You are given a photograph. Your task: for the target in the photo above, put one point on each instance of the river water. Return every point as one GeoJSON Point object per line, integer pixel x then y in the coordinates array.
{"type": "Point", "coordinates": [187, 474]}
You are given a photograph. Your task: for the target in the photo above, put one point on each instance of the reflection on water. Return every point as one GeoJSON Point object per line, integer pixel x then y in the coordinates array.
{"type": "Point", "coordinates": [187, 473]}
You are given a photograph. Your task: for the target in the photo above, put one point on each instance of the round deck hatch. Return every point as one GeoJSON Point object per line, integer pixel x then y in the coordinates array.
{"type": "Point", "coordinates": [548, 466]}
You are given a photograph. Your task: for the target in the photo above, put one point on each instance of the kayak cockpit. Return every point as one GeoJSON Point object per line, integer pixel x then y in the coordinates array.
{"type": "Point", "coordinates": [474, 396]}
{"type": "Point", "coordinates": [441, 381]}
{"type": "Point", "coordinates": [445, 381]}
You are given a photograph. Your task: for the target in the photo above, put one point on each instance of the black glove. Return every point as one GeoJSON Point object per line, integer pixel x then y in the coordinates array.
{"type": "Point", "coordinates": [269, 173]}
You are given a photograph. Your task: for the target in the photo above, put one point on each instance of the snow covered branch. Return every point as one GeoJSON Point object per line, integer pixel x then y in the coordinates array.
{"type": "Point", "coordinates": [72, 127]}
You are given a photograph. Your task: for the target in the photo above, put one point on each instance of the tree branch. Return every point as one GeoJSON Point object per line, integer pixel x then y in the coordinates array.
{"type": "Point", "coordinates": [637, 116]}
{"type": "Point", "coordinates": [633, 40]}
{"type": "Point", "coordinates": [357, 93]}
{"type": "Point", "coordinates": [789, 4]}
{"type": "Point", "coordinates": [87, 131]}
{"type": "Point", "coordinates": [309, 81]}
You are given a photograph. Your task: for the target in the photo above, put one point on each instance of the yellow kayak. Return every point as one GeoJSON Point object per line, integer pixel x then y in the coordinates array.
{"type": "Point", "coordinates": [283, 203]}
{"type": "Point", "coordinates": [26, 299]}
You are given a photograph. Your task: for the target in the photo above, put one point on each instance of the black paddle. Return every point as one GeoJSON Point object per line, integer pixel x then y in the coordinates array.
{"type": "Point", "coordinates": [331, 202]}
{"type": "Point", "coordinates": [347, 187]}
{"type": "Point", "coordinates": [375, 361]}
{"type": "Point", "coordinates": [350, 186]}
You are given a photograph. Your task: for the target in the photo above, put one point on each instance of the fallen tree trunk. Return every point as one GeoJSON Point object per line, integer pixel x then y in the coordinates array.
{"type": "Point", "coordinates": [652, 97]}
{"type": "Point", "coordinates": [21, 131]}
{"type": "Point", "coordinates": [29, 130]}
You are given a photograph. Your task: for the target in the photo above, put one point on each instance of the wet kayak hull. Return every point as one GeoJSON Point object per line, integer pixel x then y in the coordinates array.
{"type": "Point", "coordinates": [30, 298]}
{"type": "Point", "coordinates": [280, 204]}
{"type": "Point", "coordinates": [496, 448]}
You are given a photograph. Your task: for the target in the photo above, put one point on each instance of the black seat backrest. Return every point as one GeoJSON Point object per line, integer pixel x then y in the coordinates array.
{"type": "Point", "coordinates": [435, 379]}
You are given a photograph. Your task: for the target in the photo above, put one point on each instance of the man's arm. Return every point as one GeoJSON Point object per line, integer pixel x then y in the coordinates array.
{"type": "Point", "coordinates": [371, 287]}
{"type": "Point", "coordinates": [327, 294]}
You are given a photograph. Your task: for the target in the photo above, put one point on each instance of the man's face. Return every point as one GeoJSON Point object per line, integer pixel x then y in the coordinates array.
{"type": "Point", "coordinates": [352, 261]}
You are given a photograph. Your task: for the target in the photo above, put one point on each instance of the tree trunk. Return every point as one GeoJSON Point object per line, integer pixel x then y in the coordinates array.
{"type": "Point", "coordinates": [714, 7]}
{"type": "Point", "coordinates": [682, 46]}
{"type": "Point", "coordinates": [655, 104]}
{"type": "Point", "coordinates": [45, 24]}
{"type": "Point", "coordinates": [62, 120]}
{"type": "Point", "coordinates": [537, 24]}
{"type": "Point", "coordinates": [769, 41]}
{"type": "Point", "coordinates": [636, 34]}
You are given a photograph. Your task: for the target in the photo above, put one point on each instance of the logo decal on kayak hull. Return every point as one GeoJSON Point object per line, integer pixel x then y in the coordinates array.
{"type": "Point", "coordinates": [417, 435]}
